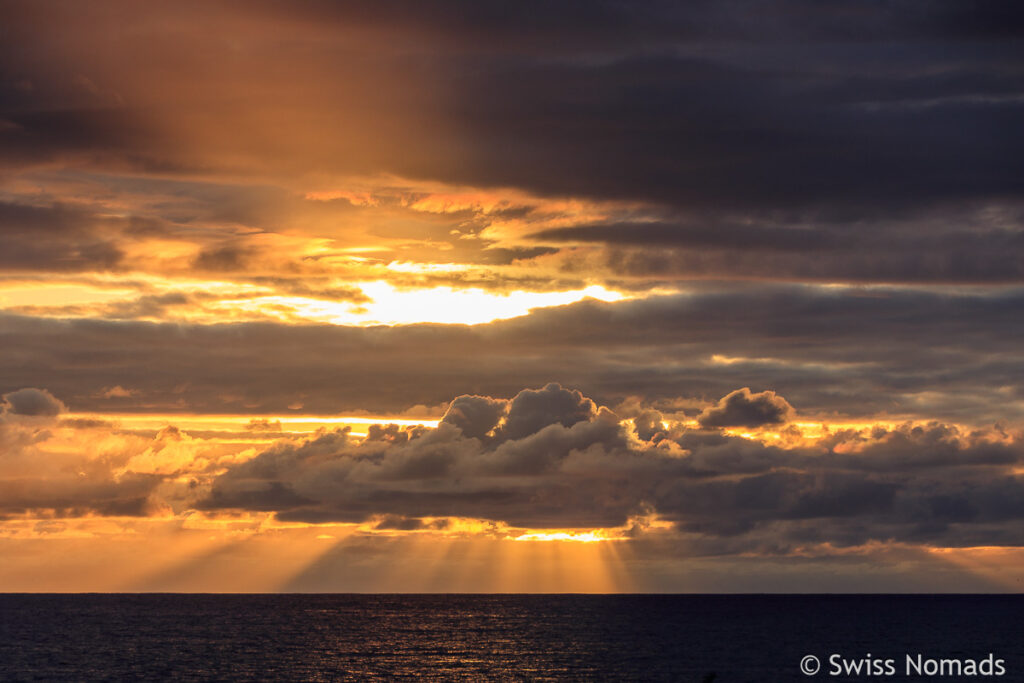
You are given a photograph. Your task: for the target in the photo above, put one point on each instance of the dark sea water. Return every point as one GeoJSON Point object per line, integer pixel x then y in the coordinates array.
{"type": "Point", "coordinates": [494, 637]}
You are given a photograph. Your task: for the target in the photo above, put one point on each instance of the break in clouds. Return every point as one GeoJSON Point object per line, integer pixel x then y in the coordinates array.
{"type": "Point", "coordinates": [552, 458]}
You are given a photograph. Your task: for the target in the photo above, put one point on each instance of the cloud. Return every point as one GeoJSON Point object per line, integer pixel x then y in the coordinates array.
{"type": "Point", "coordinates": [32, 402]}
{"type": "Point", "coordinates": [55, 238]}
{"type": "Point", "coordinates": [117, 391]}
{"type": "Point", "coordinates": [749, 104]}
{"type": "Point", "coordinates": [75, 467]}
{"type": "Point", "coordinates": [223, 258]}
{"type": "Point", "coordinates": [947, 355]}
{"type": "Point", "coordinates": [475, 416]}
{"type": "Point", "coordinates": [930, 484]}
{"type": "Point", "coordinates": [654, 146]}
{"type": "Point", "coordinates": [725, 151]}
{"type": "Point", "coordinates": [532, 410]}
{"type": "Point", "coordinates": [67, 469]}
{"type": "Point", "coordinates": [264, 425]}
{"type": "Point", "coordinates": [741, 408]}
{"type": "Point", "coordinates": [942, 242]}
{"type": "Point", "coordinates": [648, 424]}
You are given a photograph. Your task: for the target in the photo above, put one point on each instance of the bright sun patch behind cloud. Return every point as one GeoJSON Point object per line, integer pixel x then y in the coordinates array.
{"type": "Point", "coordinates": [381, 303]}
{"type": "Point", "coordinates": [392, 306]}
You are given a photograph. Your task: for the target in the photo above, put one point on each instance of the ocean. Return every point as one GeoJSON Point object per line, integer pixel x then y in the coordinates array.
{"type": "Point", "coordinates": [720, 638]}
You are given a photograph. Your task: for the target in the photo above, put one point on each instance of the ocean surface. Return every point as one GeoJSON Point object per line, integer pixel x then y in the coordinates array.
{"type": "Point", "coordinates": [720, 638]}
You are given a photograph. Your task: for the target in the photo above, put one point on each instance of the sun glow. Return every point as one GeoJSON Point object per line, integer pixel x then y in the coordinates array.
{"type": "Point", "coordinates": [391, 305]}
{"type": "Point", "coordinates": [1000, 565]}
{"type": "Point", "coordinates": [573, 536]}
{"type": "Point", "coordinates": [260, 426]}
{"type": "Point", "coordinates": [372, 302]}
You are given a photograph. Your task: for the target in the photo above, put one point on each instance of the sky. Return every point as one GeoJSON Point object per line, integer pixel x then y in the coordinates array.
{"type": "Point", "coordinates": [419, 296]}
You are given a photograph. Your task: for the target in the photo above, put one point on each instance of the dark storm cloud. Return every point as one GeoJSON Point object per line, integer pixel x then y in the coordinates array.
{"type": "Point", "coordinates": [755, 105]}
{"type": "Point", "coordinates": [768, 120]}
{"type": "Point", "coordinates": [546, 26]}
{"type": "Point", "coordinates": [818, 347]}
{"type": "Point", "coordinates": [930, 484]}
{"type": "Point", "coordinates": [692, 133]}
{"type": "Point", "coordinates": [741, 408]}
{"type": "Point", "coordinates": [699, 104]}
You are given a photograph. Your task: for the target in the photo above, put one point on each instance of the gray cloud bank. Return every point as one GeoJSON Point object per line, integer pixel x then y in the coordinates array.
{"type": "Point", "coordinates": [853, 352]}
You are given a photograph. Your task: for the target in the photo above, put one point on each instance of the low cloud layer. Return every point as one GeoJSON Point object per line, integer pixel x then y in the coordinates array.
{"type": "Point", "coordinates": [932, 484]}
{"type": "Point", "coordinates": [946, 355]}
{"type": "Point", "coordinates": [547, 458]}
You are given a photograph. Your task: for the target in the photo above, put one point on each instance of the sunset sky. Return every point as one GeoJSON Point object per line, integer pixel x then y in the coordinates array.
{"type": "Point", "coordinates": [511, 296]}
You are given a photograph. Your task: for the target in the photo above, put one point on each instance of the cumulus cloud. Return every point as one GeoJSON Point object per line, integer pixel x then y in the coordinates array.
{"type": "Point", "coordinates": [741, 408]}
{"type": "Point", "coordinates": [475, 415]}
{"type": "Point", "coordinates": [32, 402]}
{"type": "Point", "coordinates": [532, 410]}
{"type": "Point", "coordinates": [648, 424]}
{"type": "Point", "coordinates": [586, 467]}
{"type": "Point", "coordinates": [580, 466]}
{"type": "Point", "coordinates": [393, 433]}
